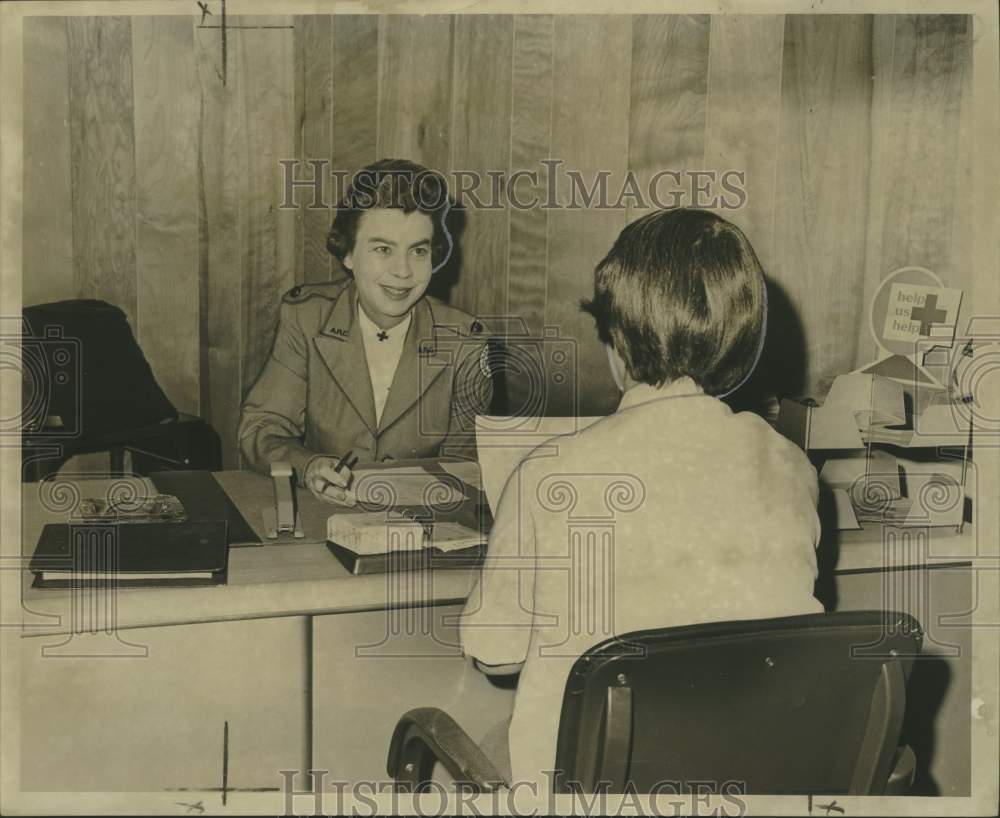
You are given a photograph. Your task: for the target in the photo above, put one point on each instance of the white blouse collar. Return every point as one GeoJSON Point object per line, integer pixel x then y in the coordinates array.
{"type": "Point", "coordinates": [370, 330]}
{"type": "Point", "coordinates": [643, 393]}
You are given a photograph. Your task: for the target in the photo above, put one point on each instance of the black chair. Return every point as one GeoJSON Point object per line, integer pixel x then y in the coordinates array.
{"type": "Point", "coordinates": [87, 387]}
{"type": "Point", "coordinates": [795, 705]}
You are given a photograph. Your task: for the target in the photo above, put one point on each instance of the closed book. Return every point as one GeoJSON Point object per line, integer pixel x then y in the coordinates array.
{"type": "Point", "coordinates": [132, 555]}
{"type": "Point", "coordinates": [415, 560]}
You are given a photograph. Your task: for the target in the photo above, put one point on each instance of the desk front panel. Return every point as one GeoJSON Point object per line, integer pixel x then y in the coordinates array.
{"type": "Point", "coordinates": [938, 714]}
{"type": "Point", "coordinates": [369, 668]}
{"type": "Point", "coordinates": [167, 708]}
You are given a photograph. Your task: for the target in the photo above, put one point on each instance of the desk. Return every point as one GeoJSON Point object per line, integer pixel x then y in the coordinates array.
{"type": "Point", "coordinates": [296, 664]}
{"type": "Point", "coordinates": [927, 573]}
{"type": "Point", "coordinates": [133, 692]}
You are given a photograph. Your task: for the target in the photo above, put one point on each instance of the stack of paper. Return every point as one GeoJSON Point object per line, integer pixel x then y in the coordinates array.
{"type": "Point", "coordinates": [901, 491]}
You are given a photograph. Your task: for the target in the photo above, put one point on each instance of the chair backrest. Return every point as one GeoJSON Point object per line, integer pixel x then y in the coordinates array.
{"type": "Point", "coordinates": [802, 704]}
{"type": "Point", "coordinates": [84, 366]}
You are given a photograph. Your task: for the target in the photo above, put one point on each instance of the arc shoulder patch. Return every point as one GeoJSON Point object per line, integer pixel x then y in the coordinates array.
{"type": "Point", "coordinates": [303, 292]}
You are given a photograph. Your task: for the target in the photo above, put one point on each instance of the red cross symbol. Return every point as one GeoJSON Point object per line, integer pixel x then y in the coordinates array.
{"type": "Point", "coordinates": [928, 314]}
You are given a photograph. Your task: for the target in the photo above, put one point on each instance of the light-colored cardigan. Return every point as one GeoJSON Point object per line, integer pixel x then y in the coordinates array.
{"type": "Point", "coordinates": [672, 511]}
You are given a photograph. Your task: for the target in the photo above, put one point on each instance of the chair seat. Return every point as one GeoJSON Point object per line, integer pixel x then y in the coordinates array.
{"type": "Point", "coordinates": [185, 442]}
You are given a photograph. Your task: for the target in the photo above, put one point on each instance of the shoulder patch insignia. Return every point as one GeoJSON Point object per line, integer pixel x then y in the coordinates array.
{"type": "Point", "coordinates": [484, 362]}
{"type": "Point", "coordinates": [303, 292]}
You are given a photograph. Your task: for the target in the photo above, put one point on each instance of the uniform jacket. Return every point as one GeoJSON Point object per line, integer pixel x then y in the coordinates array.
{"type": "Point", "coordinates": [314, 395]}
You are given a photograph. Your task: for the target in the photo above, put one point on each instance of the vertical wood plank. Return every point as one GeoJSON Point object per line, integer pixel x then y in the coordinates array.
{"type": "Point", "coordinates": [820, 207]}
{"type": "Point", "coordinates": [530, 141]}
{"type": "Point", "coordinates": [742, 120]}
{"type": "Point", "coordinates": [355, 91]}
{"type": "Point", "coordinates": [266, 75]}
{"type": "Point", "coordinates": [48, 213]}
{"type": "Point", "coordinates": [355, 50]}
{"type": "Point", "coordinates": [883, 40]}
{"type": "Point", "coordinates": [103, 159]}
{"type": "Point", "coordinates": [531, 135]}
{"type": "Point", "coordinates": [742, 123]}
{"type": "Point", "coordinates": [314, 104]}
{"type": "Point", "coordinates": [959, 271]}
{"type": "Point", "coordinates": [590, 88]}
{"type": "Point", "coordinates": [929, 60]}
{"type": "Point", "coordinates": [480, 133]}
{"type": "Point", "coordinates": [670, 56]}
{"type": "Point", "coordinates": [166, 135]}
{"type": "Point", "coordinates": [414, 105]}
{"type": "Point", "coordinates": [222, 169]}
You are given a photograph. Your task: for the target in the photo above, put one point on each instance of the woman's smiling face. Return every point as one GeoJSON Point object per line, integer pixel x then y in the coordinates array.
{"type": "Point", "coordinates": [391, 262]}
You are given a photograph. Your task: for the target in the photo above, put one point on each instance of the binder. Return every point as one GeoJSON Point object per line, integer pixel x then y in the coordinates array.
{"type": "Point", "coordinates": [134, 555]}
{"type": "Point", "coordinates": [204, 499]}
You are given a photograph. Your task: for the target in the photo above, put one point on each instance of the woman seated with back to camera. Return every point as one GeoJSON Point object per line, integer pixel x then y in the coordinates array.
{"type": "Point", "coordinates": [714, 512]}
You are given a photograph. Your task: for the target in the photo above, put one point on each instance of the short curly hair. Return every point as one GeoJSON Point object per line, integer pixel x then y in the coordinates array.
{"type": "Point", "coordinates": [682, 293]}
{"type": "Point", "coordinates": [395, 184]}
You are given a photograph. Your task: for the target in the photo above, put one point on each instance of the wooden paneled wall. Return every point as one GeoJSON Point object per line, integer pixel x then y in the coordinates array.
{"type": "Point", "coordinates": [152, 184]}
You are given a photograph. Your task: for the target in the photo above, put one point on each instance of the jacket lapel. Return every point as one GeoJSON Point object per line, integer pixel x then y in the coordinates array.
{"type": "Point", "coordinates": [420, 364]}
{"type": "Point", "coordinates": [342, 349]}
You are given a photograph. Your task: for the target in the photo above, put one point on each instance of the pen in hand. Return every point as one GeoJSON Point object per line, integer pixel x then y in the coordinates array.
{"type": "Point", "coordinates": [350, 461]}
{"type": "Point", "coordinates": [344, 462]}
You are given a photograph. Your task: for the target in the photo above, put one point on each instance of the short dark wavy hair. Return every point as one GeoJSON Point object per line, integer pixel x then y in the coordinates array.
{"type": "Point", "coordinates": [396, 184]}
{"type": "Point", "coordinates": [682, 292]}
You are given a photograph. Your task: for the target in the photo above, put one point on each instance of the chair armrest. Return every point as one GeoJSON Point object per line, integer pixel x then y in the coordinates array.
{"type": "Point", "coordinates": [509, 669]}
{"type": "Point", "coordinates": [904, 768]}
{"type": "Point", "coordinates": [427, 734]}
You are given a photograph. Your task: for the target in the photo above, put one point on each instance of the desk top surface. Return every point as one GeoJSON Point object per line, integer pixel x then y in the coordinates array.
{"type": "Point", "coordinates": [280, 578]}
{"type": "Point", "coordinates": [302, 577]}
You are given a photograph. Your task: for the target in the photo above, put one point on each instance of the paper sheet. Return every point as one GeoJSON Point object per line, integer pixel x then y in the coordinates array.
{"type": "Point", "coordinates": [467, 471]}
{"type": "Point", "coordinates": [846, 518]}
{"type": "Point", "coordinates": [503, 442]}
{"type": "Point", "coordinates": [453, 536]}
{"type": "Point", "coordinates": [404, 486]}
{"type": "Point", "coordinates": [849, 472]}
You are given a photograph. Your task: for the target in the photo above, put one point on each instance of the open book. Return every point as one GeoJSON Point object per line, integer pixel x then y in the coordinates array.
{"type": "Point", "coordinates": [373, 532]}
{"type": "Point", "coordinates": [408, 515]}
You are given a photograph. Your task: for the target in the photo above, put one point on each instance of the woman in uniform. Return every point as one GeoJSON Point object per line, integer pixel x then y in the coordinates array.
{"type": "Point", "coordinates": [371, 365]}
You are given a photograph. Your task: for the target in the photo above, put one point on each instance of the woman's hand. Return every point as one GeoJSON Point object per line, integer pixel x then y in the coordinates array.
{"type": "Point", "coordinates": [327, 483]}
